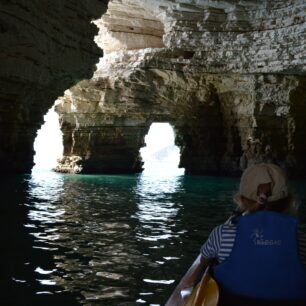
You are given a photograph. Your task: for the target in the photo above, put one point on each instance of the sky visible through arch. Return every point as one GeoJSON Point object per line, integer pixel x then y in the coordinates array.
{"type": "Point", "coordinates": [160, 154]}
{"type": "Point", "coordinates": [48, 144]}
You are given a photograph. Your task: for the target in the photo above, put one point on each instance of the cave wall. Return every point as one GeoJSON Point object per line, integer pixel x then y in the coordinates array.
{"type": "Point", "coordinates": [46, 47]}
{"type": "Point", "coordinates": [225, 71]}
{"type": "Point", "coordinates": [130, 25]}
{"type": "Point", "coordinates": [218, 71]}
{"type": "Point", "coordinates": [212, 114]}
{"type": "Point", "coordinates": [240, 37]}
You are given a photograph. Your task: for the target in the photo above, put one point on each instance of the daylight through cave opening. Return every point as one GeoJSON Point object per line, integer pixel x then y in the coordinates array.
{"type": "Point", "coordinates": [48, 143]}
{"type": "Point", "coordinates": [160, 155]}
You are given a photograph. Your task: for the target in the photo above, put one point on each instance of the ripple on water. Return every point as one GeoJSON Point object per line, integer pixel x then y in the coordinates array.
{"type": "Point", "coordinates": [120, 240]}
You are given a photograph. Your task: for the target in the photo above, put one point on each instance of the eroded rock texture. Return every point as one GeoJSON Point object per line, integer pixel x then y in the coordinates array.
{"type": "Point", "coordinates": [218, 71]}
{"type": "Point", "coordinates": [46, 46]}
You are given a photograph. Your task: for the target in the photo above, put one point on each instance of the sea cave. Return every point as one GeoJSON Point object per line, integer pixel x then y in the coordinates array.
{"type": "Point", "coordinates": [228, 78]}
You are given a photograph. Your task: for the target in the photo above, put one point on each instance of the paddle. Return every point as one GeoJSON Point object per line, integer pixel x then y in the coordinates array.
{"type": "Point", "coordinates": [206, 292]}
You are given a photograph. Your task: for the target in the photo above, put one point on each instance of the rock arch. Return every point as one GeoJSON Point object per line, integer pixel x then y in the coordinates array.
{"type": "Point", "coordinates": [46, 47]}
{"type": "Point", "coordinates": [247, 59]}
{"type": "Point", "coordinates": [105, 120]}
{"type": "Point", "coordinates": [215, 78]}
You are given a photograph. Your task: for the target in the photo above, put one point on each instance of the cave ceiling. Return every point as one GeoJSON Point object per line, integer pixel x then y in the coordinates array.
{"type": "Point", "coordinates": [217, 71]}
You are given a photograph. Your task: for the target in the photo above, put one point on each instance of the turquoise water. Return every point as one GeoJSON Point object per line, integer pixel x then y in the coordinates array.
{"type": "Point", "coordinates": [106, 240]}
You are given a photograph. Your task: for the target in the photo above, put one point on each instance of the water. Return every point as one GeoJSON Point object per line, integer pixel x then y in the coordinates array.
{"type": "Point", "coordinates": [105, 240]}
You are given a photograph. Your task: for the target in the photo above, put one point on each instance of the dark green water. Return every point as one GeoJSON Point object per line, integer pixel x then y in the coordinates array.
{"type": "Point", "coordinates": [106, 240]}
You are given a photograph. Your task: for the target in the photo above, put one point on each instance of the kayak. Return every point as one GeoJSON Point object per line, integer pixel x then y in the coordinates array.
{"type": "Point", "coordinates": [205, 293]}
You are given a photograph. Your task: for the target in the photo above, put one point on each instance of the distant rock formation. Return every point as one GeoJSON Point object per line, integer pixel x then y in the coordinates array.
{"type": "Point", "coordinates": [222, 71]}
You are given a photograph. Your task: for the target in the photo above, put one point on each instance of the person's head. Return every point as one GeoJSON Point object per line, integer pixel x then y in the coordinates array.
{"type": "Point", "coordinates": [264, 187]}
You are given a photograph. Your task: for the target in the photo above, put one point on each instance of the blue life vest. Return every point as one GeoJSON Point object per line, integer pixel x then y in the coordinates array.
{"type": "Point", "coordinates": [264, 263]}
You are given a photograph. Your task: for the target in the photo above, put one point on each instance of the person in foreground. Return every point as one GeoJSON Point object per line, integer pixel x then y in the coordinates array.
{"type": "Point", "coordinates": [260, 253]}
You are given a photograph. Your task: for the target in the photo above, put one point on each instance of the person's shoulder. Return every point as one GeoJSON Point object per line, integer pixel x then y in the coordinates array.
{"type": "Point", "coordinates": [228, 225]}
{"type": "Point", "coordinates": [216, 230]}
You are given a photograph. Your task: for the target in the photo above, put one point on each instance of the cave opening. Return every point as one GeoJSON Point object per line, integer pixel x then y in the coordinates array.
{"type": "Point", "coordinates": [160, 155]}
{"type": "Point", "coordinates": [48, 144]}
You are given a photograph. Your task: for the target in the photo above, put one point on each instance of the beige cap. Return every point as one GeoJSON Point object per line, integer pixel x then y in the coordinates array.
{"type": "Point", "coordinates": [264, 173]}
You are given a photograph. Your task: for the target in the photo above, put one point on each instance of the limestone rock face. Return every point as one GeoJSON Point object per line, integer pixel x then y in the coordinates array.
{"type": "Point", "coordinates": [218, 71]}
{"type": "Point", "coordinates": [46, 47]}
{"type": "Point", "coordinates": [226, 72]}
{"type": "Point", "coordinates": [130, 25]}
{"type": "Point", "coordinates": [240, 37]}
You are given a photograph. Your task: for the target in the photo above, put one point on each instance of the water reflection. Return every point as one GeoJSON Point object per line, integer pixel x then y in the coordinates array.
{"type": "Point", "coordinates": [157, 208]}
{"type": "Point", "coordinates": [115, 240]}
{"type": "Point", "coordinates": [105, 240]}
{"type": "Point", "coordinates": [87, 227]}
{"type": "Point", "coordinates": [24, 266]}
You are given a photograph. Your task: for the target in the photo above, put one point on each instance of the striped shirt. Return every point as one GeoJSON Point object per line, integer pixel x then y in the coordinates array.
{"type": "Point", "coordinates": [221, 241]}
